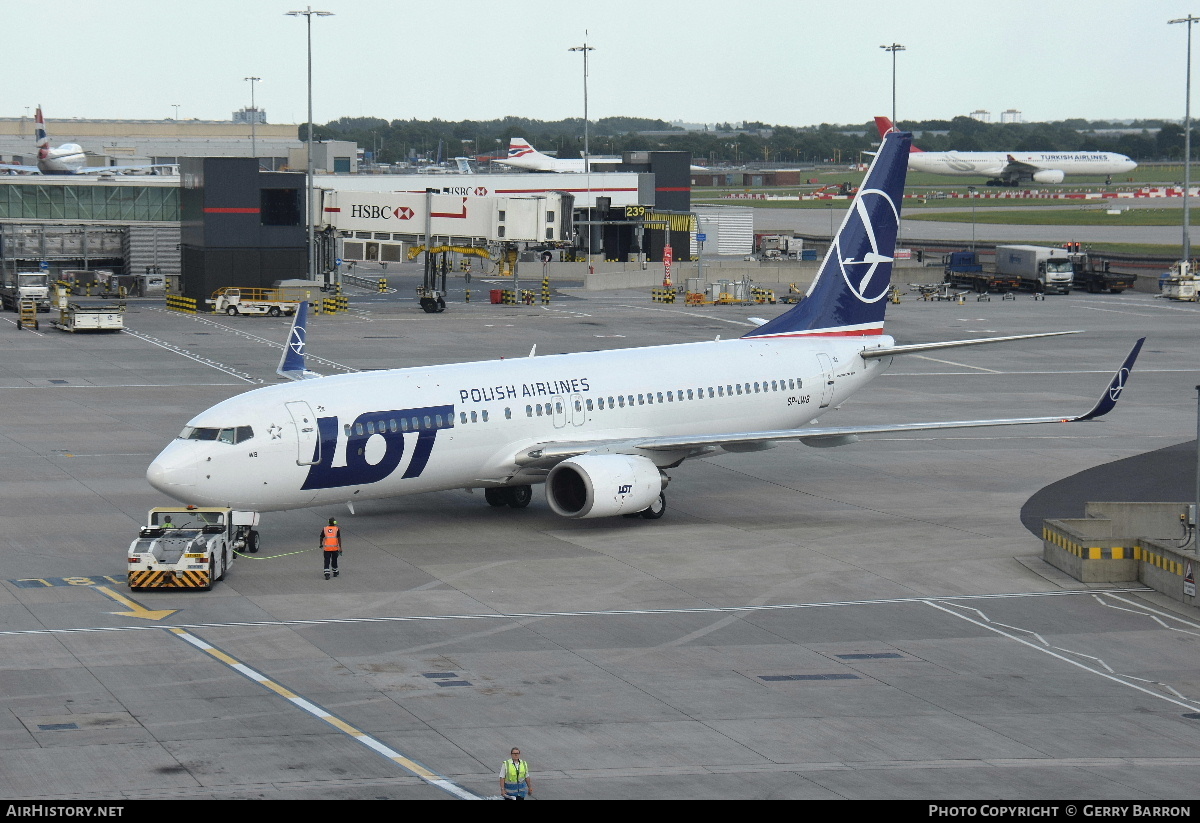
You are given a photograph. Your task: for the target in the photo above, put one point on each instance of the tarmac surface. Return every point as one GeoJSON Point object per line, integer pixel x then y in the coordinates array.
{"type": "Point", "coordinates": [871, 621]}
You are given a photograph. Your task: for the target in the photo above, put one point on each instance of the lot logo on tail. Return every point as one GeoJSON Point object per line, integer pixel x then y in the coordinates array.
{"type": "Point", "coordinates": [877, 225]}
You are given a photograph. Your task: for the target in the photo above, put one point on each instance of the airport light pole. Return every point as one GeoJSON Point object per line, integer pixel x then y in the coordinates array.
{"type": "Point", "coordinates": [176, 107]}
{"type": "Point", "coordinates": [893, 48]}
{"type": "Point", "coordinates": [587, 163]}
{"type": "Point", "coordinates": [312, 260]}
{"type": "Point", "coordinates": [1187, 139]}
{"type": "Point", "coordinates": [253, 117]}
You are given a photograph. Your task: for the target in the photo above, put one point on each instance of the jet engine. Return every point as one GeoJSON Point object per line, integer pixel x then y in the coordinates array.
{"type": "Point", "coordinates": [1048, 176]}
{"type": "Point", "coordinates": [603, 485]}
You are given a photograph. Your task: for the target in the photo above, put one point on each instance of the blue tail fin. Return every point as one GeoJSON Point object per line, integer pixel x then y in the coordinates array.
{"type": "Point", "coordinates": [291, 365]}
{"type": "Point", "coordinates": [848, 295]}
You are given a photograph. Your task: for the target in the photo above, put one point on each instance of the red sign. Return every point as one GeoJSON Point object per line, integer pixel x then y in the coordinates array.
{"type": "Point", "coordinates": [667, 256]}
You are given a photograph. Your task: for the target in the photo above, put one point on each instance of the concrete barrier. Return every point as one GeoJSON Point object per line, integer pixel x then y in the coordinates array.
{"type": "Point", "coordinates": [1123, 543]}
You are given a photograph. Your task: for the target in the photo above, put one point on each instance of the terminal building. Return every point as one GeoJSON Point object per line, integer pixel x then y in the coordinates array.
{"type": "Point", "coordinates": [142, 223]}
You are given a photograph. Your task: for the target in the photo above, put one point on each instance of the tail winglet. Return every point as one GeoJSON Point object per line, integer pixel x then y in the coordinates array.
{"type": "Point", "coordinates": [291, 364]}
{"type": "Point", "coordinates": [1115, 386]}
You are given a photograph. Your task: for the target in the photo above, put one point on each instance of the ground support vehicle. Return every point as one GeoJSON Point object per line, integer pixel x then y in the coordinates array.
{"type": "Point", "coordinates": [189, 547]}
{"type": "Point", "coordinates": [74, 317]}
{"type": "Point", "coordinates": [962, 268]}
{"type": "Point", "coordinates": [1041, 269]}
{"type": "Point", "coordinates": [25, 285]}
{"type": "Point", "coordinates": [271, 302]}
{"type": "Point", "coordinates": [1180, 283]}
{"type": "Point", "coordinates": [1095, 276]}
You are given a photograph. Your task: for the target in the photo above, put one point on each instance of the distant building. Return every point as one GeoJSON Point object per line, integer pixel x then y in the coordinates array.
{"type": "Point", "coordinates": [249, 115]}
{"type": "Point", "coordinates": [982, 115]}
{"type": "Point", "coordinates": [1010, 116]}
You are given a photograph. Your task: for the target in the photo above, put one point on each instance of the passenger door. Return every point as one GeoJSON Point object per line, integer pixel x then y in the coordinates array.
{"type": "Point", "coordinates": [826, 379]}
{"type": "Point", "coordinates": [308, 440]}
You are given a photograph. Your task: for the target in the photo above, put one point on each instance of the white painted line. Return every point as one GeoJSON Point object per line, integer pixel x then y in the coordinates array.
{"type": "Point", "coordinates": [1190, 706]}
{"type": "Point", "coordinates": [409, 765]}
{"type": "Point", "coordinates": [952, 363]}
{"type": "Point", "coordinates": [344, 621]}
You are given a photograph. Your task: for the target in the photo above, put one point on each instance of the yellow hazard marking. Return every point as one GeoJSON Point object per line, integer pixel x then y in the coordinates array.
{"type": "Point", "coordinates": [139, 610]}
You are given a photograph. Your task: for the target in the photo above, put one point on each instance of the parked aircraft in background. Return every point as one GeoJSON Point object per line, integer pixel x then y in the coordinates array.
{"type": "Point", "coordinates": [1013, 168]}
{"type": "Point", "coordinates": [69, 158]}
{"type": "Point", "coordinates": [521, 155]}
{"type": "Point", "coordinates": [599, 429]}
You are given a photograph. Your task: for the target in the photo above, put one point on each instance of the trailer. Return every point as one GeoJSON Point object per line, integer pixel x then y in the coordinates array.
{"type": "Point", "coordinates": [189, 547]}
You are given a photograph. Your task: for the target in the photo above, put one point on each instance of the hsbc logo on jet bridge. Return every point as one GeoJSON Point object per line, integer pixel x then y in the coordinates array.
{"type": "Point", "coordinates": [363, 211]}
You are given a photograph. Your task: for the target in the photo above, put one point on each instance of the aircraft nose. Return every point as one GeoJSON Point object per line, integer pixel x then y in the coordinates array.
{"type": "Point", "coordinates": [168, 472]}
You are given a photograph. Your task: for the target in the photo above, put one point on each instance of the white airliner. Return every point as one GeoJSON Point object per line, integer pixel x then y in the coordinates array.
{"type": "Point", "coordinates": [599, 429]}
{"type": "Point", "coordinates": [521, 155]}
{"type": "Point", "coordinates": [1013, 168]}
{"type": "Point", "coordinates": [69, 158]}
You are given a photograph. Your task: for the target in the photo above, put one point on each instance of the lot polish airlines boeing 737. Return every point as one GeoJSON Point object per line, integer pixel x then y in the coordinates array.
{"type": "Point", "coordinates": [599, 429]}
{"type": "Point", "coordinates": [1013, 168]}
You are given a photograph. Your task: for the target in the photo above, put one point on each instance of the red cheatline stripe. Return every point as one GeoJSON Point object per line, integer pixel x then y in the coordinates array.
{"type": "Point", "coordinates": [847, 333]}
{"type": "Point", "coordinates": [329, 208]}
{"type": "Point", "coordinates": [229, 210]}
{"type": "Point", "coordinates": [674, 188]}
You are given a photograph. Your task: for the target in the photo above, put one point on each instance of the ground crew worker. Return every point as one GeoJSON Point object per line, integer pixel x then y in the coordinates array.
{"type": "Point", "coordinates": [331, 547]}
{"type": "Point", "coordinates": [514, 777]}
{"type": "Point", "coordinates": [167, 524]}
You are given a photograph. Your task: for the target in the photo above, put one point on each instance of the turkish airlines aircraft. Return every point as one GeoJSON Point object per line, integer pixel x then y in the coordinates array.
{"type": "Point", "coordinates": [1013, 168]}
{"type": "Point", "coordinates": [599, 429]}
{"type": "Point", "coordinates": [69, 158]}
{"type": "Point", "coordinates": [521, 155]}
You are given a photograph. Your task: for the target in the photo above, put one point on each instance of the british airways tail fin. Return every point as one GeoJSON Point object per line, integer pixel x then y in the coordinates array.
{"type": "Point", "coordinates": [39, 130]}
{"type": "Point", "coordinates": [291, 365]}
{"type": "Point", "coordinates": [848, 296]}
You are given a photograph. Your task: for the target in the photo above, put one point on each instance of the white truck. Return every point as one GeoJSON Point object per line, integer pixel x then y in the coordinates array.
{"type": "Point", "coordinates": [25, 285]}
{"type": "Point", "coordinates": [1041, 269]}
{"type": "Point", "coordinates": [189, 547]}
{"type": "Point", "coordinates": [271, 302]}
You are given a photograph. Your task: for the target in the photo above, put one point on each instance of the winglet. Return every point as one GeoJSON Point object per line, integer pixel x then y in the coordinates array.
{"type": "Point", "coordinates": [1115, 386]}
{"type": "Point", "coordinates": [291, 365]}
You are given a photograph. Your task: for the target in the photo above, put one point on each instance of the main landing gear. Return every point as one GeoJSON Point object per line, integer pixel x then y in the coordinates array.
{"type": "Point", "coordinates": [516, 497]}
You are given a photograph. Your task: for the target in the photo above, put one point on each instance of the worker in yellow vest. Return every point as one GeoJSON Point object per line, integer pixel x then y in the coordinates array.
{"type": "Point", "coordinates": [514, 778]}
{"type": "Point", "coordinates": [331, 547]}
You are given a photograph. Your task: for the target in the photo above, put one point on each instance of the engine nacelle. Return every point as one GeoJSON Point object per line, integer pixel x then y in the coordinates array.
{"type": "Point", "coordinates": [603, 485]}
{"type": "Point", "coordinates": [1048, 176]}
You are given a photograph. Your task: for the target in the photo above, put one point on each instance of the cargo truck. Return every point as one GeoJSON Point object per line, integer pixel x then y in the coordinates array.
{"type": "Point", "coordinates": [1041, 269]}
{"type": "Point", "coordinates": [25, 285]}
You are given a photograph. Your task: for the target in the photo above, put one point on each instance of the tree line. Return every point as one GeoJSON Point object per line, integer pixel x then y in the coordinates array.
{"type": "Point", "coordinates": [399, 141]}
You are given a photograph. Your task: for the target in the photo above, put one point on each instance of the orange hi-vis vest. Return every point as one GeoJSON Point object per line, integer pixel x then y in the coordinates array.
{"type": "Point", "coordinates": [331, 541]}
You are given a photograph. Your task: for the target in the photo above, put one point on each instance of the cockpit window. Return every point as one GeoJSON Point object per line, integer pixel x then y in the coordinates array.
{"type": "Point", "coordinates": [231, 435]}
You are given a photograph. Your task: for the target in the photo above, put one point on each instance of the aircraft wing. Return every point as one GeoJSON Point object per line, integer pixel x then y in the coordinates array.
{"type": "Point", "coordinates": [698, 445]}
{"type": "Point", "coordinates": [1015, 166]}
{"type": "Point", "coordinates": [12, 168]}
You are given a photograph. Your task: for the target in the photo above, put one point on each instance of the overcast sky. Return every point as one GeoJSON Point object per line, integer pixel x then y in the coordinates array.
{"type": "Point", "coordinates": [787, 62]}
